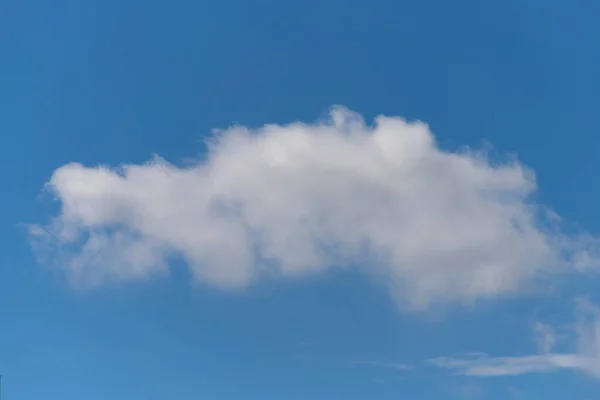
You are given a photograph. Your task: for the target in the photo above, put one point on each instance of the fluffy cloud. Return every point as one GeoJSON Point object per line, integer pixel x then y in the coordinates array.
{"type": "Point", "coordinates": [585, 356]}
{"type": "Point", "coordinates": [296, 199]}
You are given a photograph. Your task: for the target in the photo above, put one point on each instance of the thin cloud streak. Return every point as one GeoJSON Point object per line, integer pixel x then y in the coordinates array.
{"type": "Point", "coordinates": [585, 358]}
{"type": "Point", "coordinates": [388, 365]}
{"type": "Point", "coordinates": [511, 366]}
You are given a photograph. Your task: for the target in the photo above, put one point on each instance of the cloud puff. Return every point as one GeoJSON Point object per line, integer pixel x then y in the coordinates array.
{"type": "Point", "coordinates": [585, 356]}
{"type": "Point", "coordinates": [296, 199]}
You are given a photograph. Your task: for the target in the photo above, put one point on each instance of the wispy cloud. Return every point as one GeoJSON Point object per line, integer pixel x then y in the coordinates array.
{"type": "Point", "coordinates": [545, 337]}
{"type": "Point", "coordinates": [510, 366]}
{"type": "Point", "coordinates": [470, 391]}
{"type": "Point", "coordinates": [585, 358]}
{"type": "Point", "coordinates": [515, 392]}
{"type": "Point", "coordinates": [388, 365]}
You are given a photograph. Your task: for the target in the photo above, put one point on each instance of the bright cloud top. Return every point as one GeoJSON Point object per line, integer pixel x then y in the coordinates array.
{"type": "Point", "coordinates": [296, 199]}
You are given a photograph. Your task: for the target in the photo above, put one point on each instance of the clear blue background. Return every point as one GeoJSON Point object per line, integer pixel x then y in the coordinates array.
{"type": "Point", "coordinates": [116, 80]}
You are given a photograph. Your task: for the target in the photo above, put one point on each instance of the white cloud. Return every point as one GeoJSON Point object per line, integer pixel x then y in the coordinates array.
{"type": "Point", "coordinates": [296, 199]}
{"type": "Point", "coordinates": [585, 356]}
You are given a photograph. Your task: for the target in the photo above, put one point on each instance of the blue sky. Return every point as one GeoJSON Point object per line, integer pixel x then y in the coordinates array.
{"type": "Point", "coordinates": [331, 259]}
